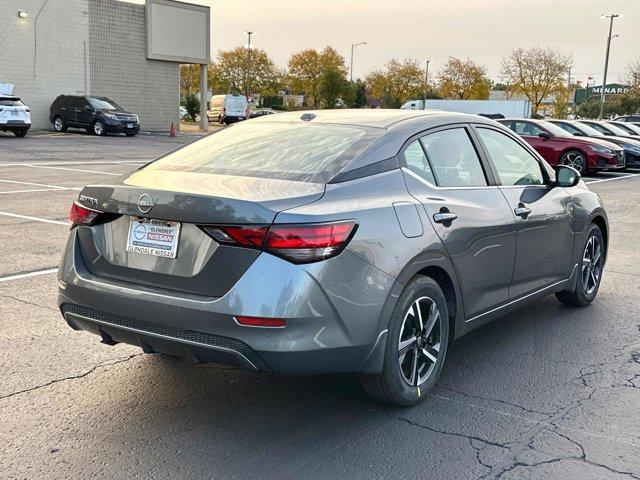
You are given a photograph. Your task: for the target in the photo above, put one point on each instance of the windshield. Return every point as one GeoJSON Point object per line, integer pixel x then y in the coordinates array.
{"type": "Point", "coordinates": [617, 130]}
{"type": "Point", "coordinates": [554, 129]}
{"type": "Point", "coordinates": [302, 152]}
{"type": "Point", "coordinates": [103, 104]}
{"type": "Point", "coordinates": [588, 130]}
{"type": "Point", "coordinates": [629, 128]}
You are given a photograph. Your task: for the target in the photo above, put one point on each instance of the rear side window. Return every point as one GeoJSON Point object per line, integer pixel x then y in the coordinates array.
{"type": "Point", "coordinates": [303, 152]}
{"type": "Point", "coordinates": [454, 159]}
{"type": "Point", "coordinates": [526, 128]}
{"type": "Point", "coordinates": [515, 165]}
{"type": "Point", "coordinates": [417, 162]}
{"type": "Point", "coordinates": [10, 102]}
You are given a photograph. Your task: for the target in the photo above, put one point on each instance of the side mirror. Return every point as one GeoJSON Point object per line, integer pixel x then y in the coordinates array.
{"type": "Point", "coordinates": [567, 176]}
{"type": "Point", "coordinates": [544, 135]}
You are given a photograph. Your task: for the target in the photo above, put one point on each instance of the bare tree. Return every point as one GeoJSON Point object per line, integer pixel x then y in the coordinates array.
{"type": "Point", "coordinates": [536, 73]}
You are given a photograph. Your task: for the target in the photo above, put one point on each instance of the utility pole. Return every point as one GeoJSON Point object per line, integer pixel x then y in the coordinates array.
{"type": "Point", "coordinates": [246, 83]}
{"type": "Point", "coordinates": [611, 16]}
{"type": "Point", "coordinates": [353, 45]}
{"type": "Point", "coordinates": [426, 82]}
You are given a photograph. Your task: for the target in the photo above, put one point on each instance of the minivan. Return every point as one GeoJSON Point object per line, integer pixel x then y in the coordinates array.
{"type": "Point", "coordinates": [226, 109]}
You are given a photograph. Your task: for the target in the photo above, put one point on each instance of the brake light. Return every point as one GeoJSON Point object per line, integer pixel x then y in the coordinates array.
{"type": "Point", "coordinates": [79, 215]}
{"type": "Point", "coordinates": [298, 243]}
{"type": "Point", "coordinates": [260, 322]}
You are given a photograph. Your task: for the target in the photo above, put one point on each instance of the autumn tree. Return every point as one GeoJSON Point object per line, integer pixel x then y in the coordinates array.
{"type": "Point", "coordinates": [397, 82]}
{"type": "Point", "coordinates": [319, 76]}
{"type": "Point", "coordinates": [464, 80]}
{"type": "Point", "coordinates": [189, 79]}
{"type": "Point", "coordinates": [243, 70]}
{"type": "Point", "coordinates": [633, 76]}
{"type": "Point", "coordinates": [536, 73]}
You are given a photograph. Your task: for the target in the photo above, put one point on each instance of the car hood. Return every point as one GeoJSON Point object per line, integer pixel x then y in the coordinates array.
{"type": "Point", "coordinates": [593, 141]}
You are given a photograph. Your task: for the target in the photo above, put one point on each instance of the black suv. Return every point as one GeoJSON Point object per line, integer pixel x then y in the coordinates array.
{"type": "Point", "coordinates": [98, 115]}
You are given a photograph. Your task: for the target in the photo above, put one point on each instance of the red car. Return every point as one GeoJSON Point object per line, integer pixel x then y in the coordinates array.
{"type": "Point", "coordinates": [558, 146]}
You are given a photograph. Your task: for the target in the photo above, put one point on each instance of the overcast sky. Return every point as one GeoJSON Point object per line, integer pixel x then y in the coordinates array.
{"type": "Point", "coordinates": [483, 30]}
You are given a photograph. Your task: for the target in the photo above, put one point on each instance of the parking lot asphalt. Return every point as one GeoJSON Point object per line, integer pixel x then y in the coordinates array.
{"type": "Point", "coordinates": [545, 392]}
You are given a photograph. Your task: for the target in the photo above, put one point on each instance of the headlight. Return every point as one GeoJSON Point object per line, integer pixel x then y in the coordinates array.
{"type": "Point", "coordinates": [602, 149]}
{"type": "Point", "coordinates": [110, 115]}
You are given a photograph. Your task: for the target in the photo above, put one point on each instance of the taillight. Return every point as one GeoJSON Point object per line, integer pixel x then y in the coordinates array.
{"type": "Point", "coordinates": [79, 215]}
{"type": "Point", "coordinates": [298, 243]}
{"type": "Point", "coordinates": [251, 236]}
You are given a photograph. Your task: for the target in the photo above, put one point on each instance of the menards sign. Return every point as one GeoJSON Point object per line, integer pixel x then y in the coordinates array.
{"type": "Point", "coordinates": [610, 89]}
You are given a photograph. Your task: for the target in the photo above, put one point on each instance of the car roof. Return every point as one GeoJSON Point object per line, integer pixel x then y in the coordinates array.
{"type": "Point", "coordinates": [366, 117]}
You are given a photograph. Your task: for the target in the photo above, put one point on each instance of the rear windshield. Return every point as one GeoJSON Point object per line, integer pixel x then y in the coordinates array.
{"type": "Point", "coordinates": [302, 152]}
{"type": "Point", "coordinates": [10, 102]}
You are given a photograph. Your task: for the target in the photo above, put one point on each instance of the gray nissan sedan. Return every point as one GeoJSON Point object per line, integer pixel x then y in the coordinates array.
{"type": "Point", "coordinates": [331, 241]}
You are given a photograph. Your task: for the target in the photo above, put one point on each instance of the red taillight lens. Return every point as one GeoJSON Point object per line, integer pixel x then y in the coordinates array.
{"type": "Point", "coordinates": [299, 243]}
{"type": "Point", "coordinates": [261, 322]}
{"type": "Point", "coordinates": [245, 236]}
{"type": "Point", "coordinates": [79, 215]}
{"type": "Point", "coordinates": [309, 243]}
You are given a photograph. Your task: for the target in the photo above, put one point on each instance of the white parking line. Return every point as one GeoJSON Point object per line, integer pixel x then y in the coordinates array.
{"type": "Point", "coordinates": [35, 219]}
{"type": "Point", "coordinates": [614, 178]}
{"type": "Point", "coordinates": [72, 169]}
{"type": "Point", "coordinates": [55, 187]}
{"type": "Point", "coordinates": [31, 191]}
{"type": "Point", "coordinates": [28, 274]}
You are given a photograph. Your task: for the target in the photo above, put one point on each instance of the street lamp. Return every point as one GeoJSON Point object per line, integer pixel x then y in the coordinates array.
{"type": "Point", "coordinates": [246, 83]}
{"type": "Point", "coordinates": [611, 16]}
{"type": "Point", "coordinates": [353, 45]}
{"type": "Point", "coordinates": [426, 80]}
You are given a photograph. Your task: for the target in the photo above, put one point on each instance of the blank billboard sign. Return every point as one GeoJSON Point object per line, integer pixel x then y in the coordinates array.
{"type": "Point", "coordinates": [178, 32]}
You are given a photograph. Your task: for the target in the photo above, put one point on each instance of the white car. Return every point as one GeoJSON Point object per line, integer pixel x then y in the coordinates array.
{"type": "Point", "coordinates": [15, 116]}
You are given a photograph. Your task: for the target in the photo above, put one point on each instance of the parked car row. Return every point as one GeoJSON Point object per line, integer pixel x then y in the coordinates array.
{"type": "Point", "coordinates": [586, 145]}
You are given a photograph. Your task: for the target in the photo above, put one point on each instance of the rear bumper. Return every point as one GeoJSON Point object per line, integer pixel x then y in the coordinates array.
{"type": "Point", "coordinates": [13, 125]}
{"type": "Point", "coordinates": [329, 329]}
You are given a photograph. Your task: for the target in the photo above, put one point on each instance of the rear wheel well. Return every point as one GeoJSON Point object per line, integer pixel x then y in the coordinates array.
{"type": "Point", "coordinates": [602, 225]}
{"type": "Point", "coordinates": [442, 278]}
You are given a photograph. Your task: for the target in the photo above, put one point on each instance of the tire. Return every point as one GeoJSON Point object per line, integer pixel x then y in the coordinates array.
{"type": "Point", "coordinates": [20, 133]}
{"type": "Point", "coordinates": [575, 159]}
{"type": "Point", "coordinates": [398, 384]}
{"type": "Point", "coordinates": [98, 128]}
{"type": "Point", "coordinates": [59, 125]}
{"type": "Point", "coordinates": [590, 274]}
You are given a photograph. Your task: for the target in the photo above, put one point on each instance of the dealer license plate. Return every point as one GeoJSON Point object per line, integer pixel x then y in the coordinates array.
{"type": "Point", "coordinates": [153, 237]}
{"type": "Point", "coordinates": [129, 125]}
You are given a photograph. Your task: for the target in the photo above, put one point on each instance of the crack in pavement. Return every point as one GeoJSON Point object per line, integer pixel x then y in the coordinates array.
{"type": "Point", "coordinates": [72, 377]}
{"type": "Point", "coordinates": [11, 297]}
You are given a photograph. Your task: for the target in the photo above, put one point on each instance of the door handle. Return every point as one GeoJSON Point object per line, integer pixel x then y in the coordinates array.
{"type": "Point", "coordinates": [522, 211]}
{"type": "Point", "coordinates": [444, 217]}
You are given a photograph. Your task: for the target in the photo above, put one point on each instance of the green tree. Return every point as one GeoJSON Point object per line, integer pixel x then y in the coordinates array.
{"type": "Point", "coordinates": [398, 82]}
{"type": "Point", "coordinates": [359, 94]}
{"type": "Point", "coordinates": [319, 76]}
{"type": "Point", "coordinates": [464, 80]}
{"type": "Point", "coordinates": [244, 71]}
{"type": "Point", "coordinates": [192, 104]}
{"type": "Point", "coordinates": [536, 73]}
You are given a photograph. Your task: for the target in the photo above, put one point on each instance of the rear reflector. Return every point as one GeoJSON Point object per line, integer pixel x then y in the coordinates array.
{"type": "Point", "coordinates": [261, 322]}
{"type": "Point", "coordinates": [79, 215]}
{"type": "Point", "coordinates": [298, 243]}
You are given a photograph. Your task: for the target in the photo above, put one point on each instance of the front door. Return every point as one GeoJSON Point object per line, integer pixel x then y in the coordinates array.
{"type": "Point", "coordinates": [542, 212]}
{"type": "Point", "coordinates": [84, 113]}
{"type": "Point", "coordinates": [472, 218]}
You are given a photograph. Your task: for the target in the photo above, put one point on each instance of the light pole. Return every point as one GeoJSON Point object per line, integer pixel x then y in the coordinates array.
{"type": "Point", "coordinates": [426, 82]}
{"type": "Point", "coordinates": [611, 16]}
{"type": "Point", "coordinates": [246, 83]}
{"type": "Point", "coordinates": [353, 45]}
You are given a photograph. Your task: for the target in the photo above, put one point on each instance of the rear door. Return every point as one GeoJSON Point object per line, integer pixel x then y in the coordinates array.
{"type": "Point", "coordinates": [72, 106]}
{"type": "Point", "coordinates": [444, 172]}
{"type": "Point", "coordinates": [85, 114]}
{"type": "Point", "coordinates": [542, 212]}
